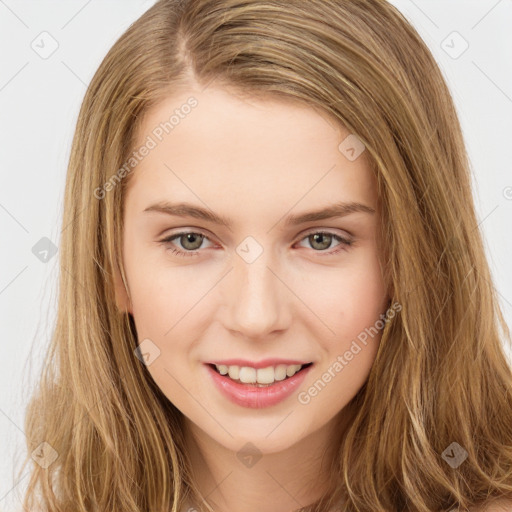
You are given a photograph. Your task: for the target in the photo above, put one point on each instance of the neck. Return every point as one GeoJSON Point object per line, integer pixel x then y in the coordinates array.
{"type": "Point", "coordinates": [246, 480]}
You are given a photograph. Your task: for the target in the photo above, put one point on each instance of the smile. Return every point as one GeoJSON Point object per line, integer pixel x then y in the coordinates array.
{"type": "Point", "coordinates": [255, 394]}
{"type": "Point", "coordinates": [261, 376]}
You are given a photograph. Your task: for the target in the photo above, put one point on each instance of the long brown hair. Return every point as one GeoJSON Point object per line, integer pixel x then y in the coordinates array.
{"type": "Point", "coordinates": [440, 376]}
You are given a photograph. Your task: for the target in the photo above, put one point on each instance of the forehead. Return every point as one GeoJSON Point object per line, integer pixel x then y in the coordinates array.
{"type": "Point", "coordinates": [239, 148]}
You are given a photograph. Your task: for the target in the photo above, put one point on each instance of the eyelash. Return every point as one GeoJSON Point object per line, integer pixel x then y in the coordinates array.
{"type": "Point", "coordinates": [344, 245]}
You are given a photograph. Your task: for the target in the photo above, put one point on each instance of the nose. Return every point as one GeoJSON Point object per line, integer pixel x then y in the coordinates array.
{"type": "Point", "coordinates": [257, 298]}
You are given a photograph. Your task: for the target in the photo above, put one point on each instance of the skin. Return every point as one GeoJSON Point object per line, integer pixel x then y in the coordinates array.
{"type": "Point", "coordinates": [253, 161]}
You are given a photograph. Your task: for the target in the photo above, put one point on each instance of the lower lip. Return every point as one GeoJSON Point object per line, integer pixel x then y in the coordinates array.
{"type": "Point", "coordinates": [248, 395]}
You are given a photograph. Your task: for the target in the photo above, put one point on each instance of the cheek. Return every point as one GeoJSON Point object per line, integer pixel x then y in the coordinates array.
{"type": "Point", "coordinates": [353, 297]}
{"type": "Point", "coordinates": [167, 313]}
{"type": "Point", "coordinates": [160, 293]}
{"type": "Point", "coordinates": [165, 307]}
{"type": "Point", "coordinates": [352, 309]}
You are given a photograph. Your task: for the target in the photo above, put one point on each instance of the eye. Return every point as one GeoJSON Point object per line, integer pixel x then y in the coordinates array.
{"type": "Point", "coordinates": [323, 239]}
{"type": "Point", "coordinates": [191, 242]}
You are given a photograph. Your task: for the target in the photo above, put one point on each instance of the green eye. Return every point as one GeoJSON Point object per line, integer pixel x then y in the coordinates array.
{"type": "Point", "coordinates": [191, 241]}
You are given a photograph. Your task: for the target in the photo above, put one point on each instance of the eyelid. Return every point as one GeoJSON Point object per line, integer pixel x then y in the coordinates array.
{"type": "Point", "coordinates": [189, 230]}
{"type": "Point", "coordinates": [344, 240]}
{"type": "Point", "coordinates": [335, 231]}
{"type": "Point", "coordinates": [313, 230]}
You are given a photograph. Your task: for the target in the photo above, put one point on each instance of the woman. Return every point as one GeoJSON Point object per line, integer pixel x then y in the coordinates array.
{"type": "Point", "coordinates": [284, 302]}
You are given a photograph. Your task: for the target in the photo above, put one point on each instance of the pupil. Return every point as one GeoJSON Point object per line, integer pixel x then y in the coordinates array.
{"type": "Point", "coordinates": [191, 236]}
{"type": "Point", "coordinates": [321, 236]}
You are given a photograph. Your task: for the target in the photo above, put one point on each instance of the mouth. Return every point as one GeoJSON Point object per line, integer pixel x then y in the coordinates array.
{"type": "Point", "coordinates": [262, 377]}
{"type": "Point", "coordinates": [258, 388]}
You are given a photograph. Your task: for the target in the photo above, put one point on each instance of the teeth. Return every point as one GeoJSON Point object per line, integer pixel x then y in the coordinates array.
{"type": "Point", "coordinates": [268, 375]}
{"type": "Point", "coordinates": [233, 372]}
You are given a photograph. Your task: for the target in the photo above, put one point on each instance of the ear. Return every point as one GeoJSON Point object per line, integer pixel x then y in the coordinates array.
{"type": "Point", "coordinates": [123, 301]}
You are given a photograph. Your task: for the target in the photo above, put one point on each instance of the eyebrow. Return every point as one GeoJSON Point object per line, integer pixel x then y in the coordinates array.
{"type": "Point", "coordinates": [184, 209]}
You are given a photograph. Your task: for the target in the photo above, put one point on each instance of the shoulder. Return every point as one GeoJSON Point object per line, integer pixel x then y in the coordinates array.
{"type": "Point", "coordinates": [501, 505]}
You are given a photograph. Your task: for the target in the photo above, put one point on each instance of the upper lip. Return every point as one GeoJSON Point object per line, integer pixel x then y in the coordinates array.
{"type": "Point", "coordinates": [257, 364]}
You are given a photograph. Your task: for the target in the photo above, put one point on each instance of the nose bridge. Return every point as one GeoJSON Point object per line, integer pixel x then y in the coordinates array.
{"type": "Point", "coordinates": [256, 296]}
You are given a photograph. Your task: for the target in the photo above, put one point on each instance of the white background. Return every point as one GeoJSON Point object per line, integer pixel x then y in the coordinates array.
{"type": "Point", "coordinates": [39, 102]}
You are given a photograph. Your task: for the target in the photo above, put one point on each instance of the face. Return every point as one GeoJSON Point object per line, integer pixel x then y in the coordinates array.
{"type": "Point", "coordinates": [269, 281]}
